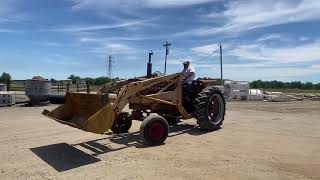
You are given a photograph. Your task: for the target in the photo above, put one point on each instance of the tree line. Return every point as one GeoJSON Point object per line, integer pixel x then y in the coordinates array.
{"type": "Point", "coordinates": [96, 81]}
{"type": "Point", "coordinates": [6, 78]}
{"type": "Point", "coordinates": [284, 85]}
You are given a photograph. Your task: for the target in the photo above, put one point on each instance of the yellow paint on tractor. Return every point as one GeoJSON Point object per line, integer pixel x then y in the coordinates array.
{"type": "Point", "coordinates": [89, 112]}
{"type": "Point", "coordinates": [96, 112]}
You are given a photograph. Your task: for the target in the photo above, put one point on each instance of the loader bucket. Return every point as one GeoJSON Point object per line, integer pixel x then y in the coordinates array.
{"type": "Point", "coordinates": [89, 112]}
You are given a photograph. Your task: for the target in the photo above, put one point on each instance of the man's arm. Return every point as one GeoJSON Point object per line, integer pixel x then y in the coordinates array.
{"type": "Point", "coordinates": [189, 72]}
{"type": "Point", "coordinates": [187, 75]}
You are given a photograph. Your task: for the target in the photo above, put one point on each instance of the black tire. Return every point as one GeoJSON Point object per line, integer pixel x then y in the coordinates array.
{"type": "Point", "coordinates": [122, 124]}
{"type": "Point", "coordinates": [210, 108]}
{"type": "Point", "coordinates": [154, 130]}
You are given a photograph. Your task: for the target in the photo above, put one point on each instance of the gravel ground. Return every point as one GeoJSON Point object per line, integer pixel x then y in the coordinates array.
{"type": "Point", "coordinates": [258, 141]}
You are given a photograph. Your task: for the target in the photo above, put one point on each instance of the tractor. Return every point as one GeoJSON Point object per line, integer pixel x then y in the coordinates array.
{"type": "Point", "coordinates": [158, 102]}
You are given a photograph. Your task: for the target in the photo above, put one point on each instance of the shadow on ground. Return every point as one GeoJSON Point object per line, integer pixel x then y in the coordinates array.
{"type": "Point", "coordinates": [63, 157]}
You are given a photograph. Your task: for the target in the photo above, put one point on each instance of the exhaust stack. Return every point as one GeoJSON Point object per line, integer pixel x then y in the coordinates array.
{"type": "Point", "coordinates": [149, 66]}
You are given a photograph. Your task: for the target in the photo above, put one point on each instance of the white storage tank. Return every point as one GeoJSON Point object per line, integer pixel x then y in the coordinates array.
{"type": "Point", "coordinates": [3, 87]}
{"type": "Point", "coordinates": [38, 90]}
{"type": "Point", "coordinates": [7, 98]}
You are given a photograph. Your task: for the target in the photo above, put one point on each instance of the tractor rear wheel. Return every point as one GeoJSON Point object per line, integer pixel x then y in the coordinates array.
{"type": "Point", "coordinates": [154, 130]}
{"type": "Point", "coordinates": [122, 124]}
{"type": "Point", "coordinates": [210, 108]}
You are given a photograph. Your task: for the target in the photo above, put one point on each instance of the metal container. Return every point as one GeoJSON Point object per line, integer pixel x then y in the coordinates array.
{"type": "Point", "coordinates": [38, 90]}
{"type": "Point", "coordinates": [3, 87]}
{"type": "Point", "coordinates": [237, 89]}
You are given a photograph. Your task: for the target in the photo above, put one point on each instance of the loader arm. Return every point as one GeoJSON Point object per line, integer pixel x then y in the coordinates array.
{"type": "Point", "coordinates": [133, 89]}
{"type": "Point", "coordinates": [112, 87]}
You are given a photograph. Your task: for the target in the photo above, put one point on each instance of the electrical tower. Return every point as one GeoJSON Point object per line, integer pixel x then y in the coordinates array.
{"type": "Point", "coordinates": [167, 45]}
{"type": "Point", "coordinates": [110, 67]}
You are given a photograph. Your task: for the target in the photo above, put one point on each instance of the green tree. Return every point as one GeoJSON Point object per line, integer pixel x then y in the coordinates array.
{"type": "Point", "coordinates": [74, 78]}
{"type": "Point", "coordinates": [102, 80]}
{"type": "Point", "coordinates": [308, 85]}
{"type": "Point", "coordinates": [5, 78]}
{"type": "Point", "coordinates": [89, 80]}
{"type": "Point", "coordinates": [287, 85]}
{"type": "Point", "coordinates": [316, 86]}
{"type": "Point", "coordinates": [53, 80]}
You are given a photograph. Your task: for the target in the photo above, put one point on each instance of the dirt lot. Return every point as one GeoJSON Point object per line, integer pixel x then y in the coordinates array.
{"type": "Point", "coordinates": [258, 141]}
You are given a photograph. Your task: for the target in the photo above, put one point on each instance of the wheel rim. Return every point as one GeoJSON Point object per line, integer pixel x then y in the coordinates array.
{"type": "Point", "coordinates": [215, 109]}
{"type": "Point", "coordinates": [156, 131]}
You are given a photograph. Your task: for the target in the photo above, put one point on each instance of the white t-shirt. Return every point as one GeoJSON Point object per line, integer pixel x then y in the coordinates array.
{"type": "Point", "coordinates": [189, 70]}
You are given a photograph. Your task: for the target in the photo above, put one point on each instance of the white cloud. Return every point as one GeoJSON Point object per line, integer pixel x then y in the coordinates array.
{"type": "Point", "coordinates": [113, 48]}
{"type": "Point", "coordinates": [268, 73]}
{"type": "Point", "coordinates": [174, 3]}
{"type": "Point", "coordinates": [10, 11]}
{"type": "Point", "coordinates": [303, 38]}
{"type": "Point", "coordinates": [316, 66]}
{"type": "Point", "coordinates": [56, 44]}
{"type": "Point", "coordinates": [52, 44]}
{"type": "Point", "coordinates": [102, 39]}
{"type": "Point", "coordinates": [7, 31]}
{"type": "Point", "coordinates": [243, 16]}
{"type": "Point", "coordinates": [254, 71]}
{"type": "Point", "coordinates": [58, 59]}
{"type": "Point", "coordinates": [61, 62]}
{"type": "Point", "coordinates": [88, 39]}
{"type": "Point", "coordinates": [281, 38]}
{"type": "Point", "coordinates": [87, 28]}
{"type": "Point", "coordinates": [129, 4]}
{"type": "Point", "coordinates": [118, 47]}
{"type": "Point", "coordinates": [259, 52]}
{"type": "Point", "coordinates": [206, 49]}
{"type": "Point", "coordinates": [267, 62]}
{"type": "Point", "coordinates": [269, 37]}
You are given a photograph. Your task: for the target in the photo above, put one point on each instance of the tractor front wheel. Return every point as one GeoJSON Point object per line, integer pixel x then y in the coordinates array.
{"type": "Point", "coordinates": [122, 124]}
{"type": "Point", "coordinates": [154, 130]}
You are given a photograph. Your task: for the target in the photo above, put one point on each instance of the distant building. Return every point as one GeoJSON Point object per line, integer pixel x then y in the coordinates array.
{"type": "Point", "coordinates": [237, 89]}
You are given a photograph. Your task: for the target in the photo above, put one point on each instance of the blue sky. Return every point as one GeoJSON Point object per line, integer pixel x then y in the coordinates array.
{"type": "Point", "coordinates": [271, 39]}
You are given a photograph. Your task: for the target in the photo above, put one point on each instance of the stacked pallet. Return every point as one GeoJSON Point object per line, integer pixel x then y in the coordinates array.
{"type": "Point", "coordinates": [7, 98]}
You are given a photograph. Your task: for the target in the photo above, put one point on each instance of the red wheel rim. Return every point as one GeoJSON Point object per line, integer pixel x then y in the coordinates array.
{"type": "Point", "coordinates": [156, 131]}
{"type": "Point", "coordinates": [212, 106]}
{"type": "Point", "coordinates": [214, 109]}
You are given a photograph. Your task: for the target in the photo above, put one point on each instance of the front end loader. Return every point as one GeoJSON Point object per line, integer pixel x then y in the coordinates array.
{"type": "Point", "coordinates": [157, 102]}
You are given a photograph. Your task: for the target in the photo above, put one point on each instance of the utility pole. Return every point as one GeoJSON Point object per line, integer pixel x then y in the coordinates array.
{"type": "Point", "coordinates": [167, 45]}
{"type": "Point", "coordinates": [110, 67]}
{"type": "Point", "coordinates": [220, 46]}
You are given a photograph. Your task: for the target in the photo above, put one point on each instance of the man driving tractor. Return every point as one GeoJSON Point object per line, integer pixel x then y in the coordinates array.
{"type": "Point", "coordinates": [188, 72]}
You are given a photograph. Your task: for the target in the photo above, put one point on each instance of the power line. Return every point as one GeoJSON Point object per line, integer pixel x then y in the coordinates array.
{"type": "Point", "coordinates": [206, 56]}
{"type": "Point", "coordinates": [199, 60]}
